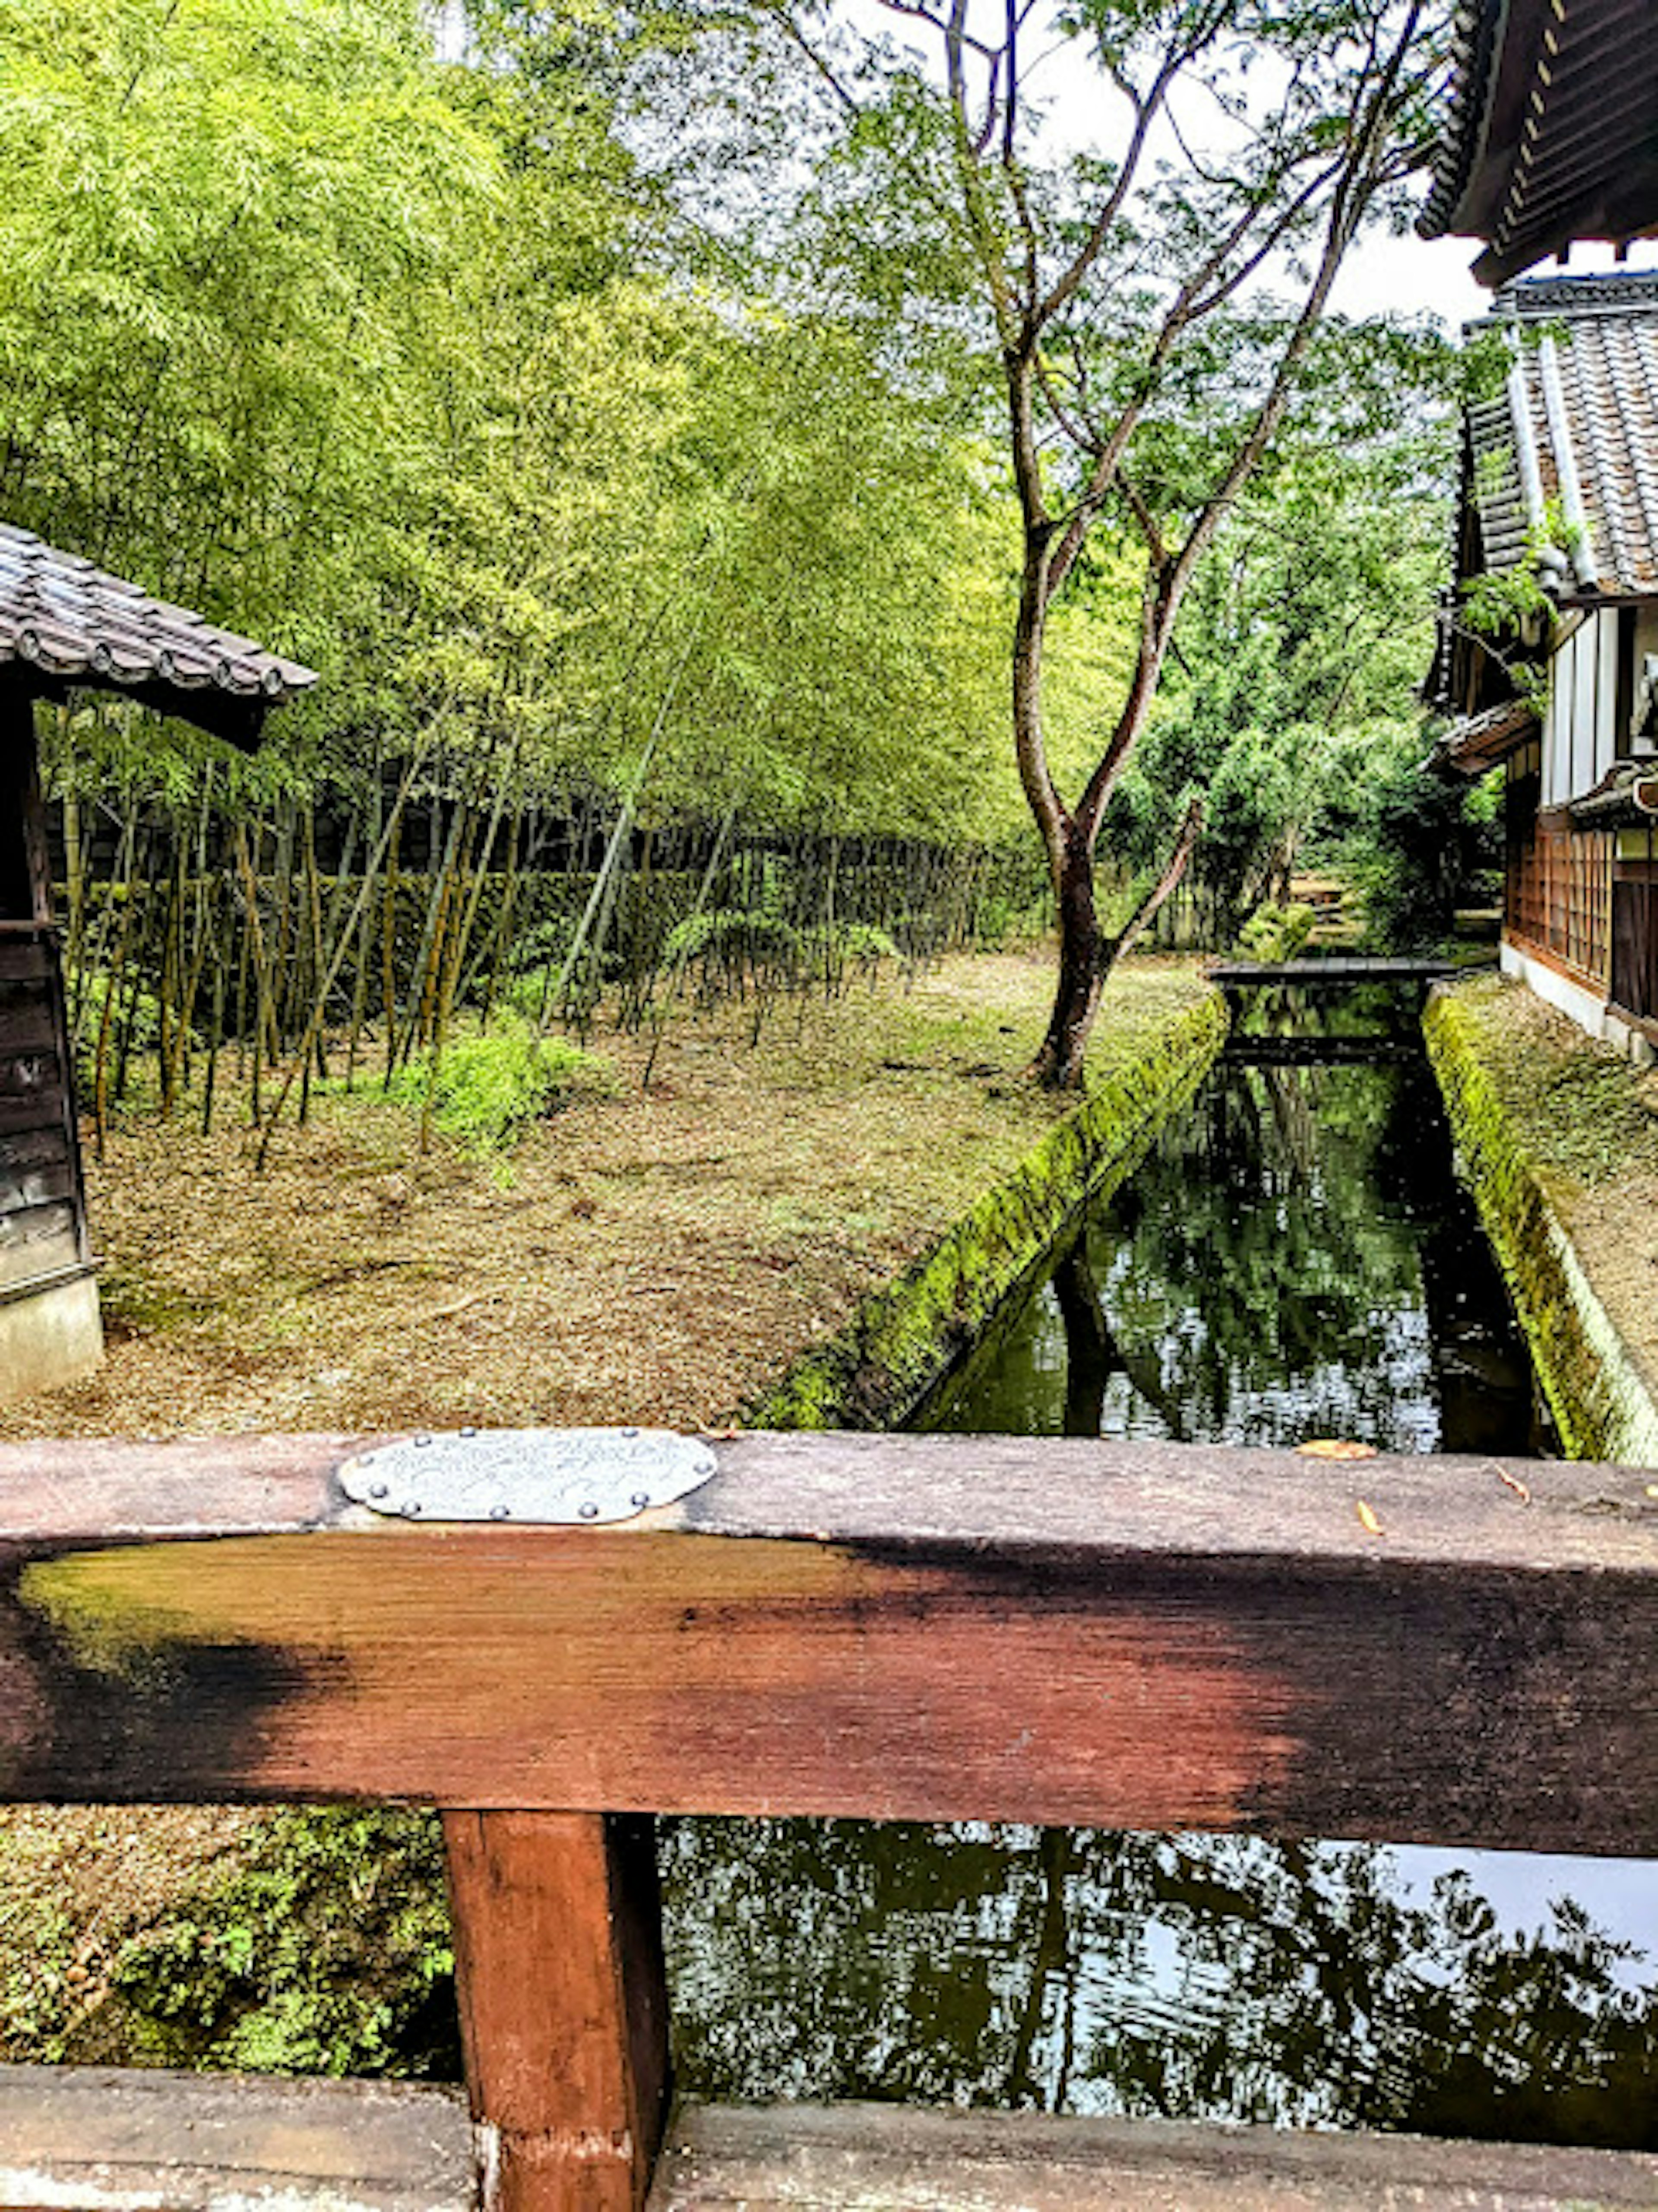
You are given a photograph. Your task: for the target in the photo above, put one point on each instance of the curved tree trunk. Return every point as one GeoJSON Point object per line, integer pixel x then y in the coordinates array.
{"type": "Point", "coordinates": [1087, 955]}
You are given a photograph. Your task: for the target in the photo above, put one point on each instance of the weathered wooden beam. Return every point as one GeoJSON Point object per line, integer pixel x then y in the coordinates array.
{"type": "Point", "coordinates": [25, 871]}
{"type": "Point", "coordinates": [563, 2005]}
{"type": "Point", "coordinates": [901, 1627]}
{"type": "Point", "coordinates": [1312, 970]}
{"type": "Point", "coordinates": [849, 2158]}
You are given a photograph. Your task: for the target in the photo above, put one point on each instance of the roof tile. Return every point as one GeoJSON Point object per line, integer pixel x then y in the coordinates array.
{"type": "Point", "coordinates": [1605, 330]}
{"type": "Point", "coordinates": [61, 614]}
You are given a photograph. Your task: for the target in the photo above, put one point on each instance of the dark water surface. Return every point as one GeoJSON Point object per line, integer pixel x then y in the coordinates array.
{"type": "Point", "coordinates": [1295, 1259]}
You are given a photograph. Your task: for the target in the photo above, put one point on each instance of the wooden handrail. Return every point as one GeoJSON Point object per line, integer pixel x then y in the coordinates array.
{"type": "Point", "coordinates": [897, 1627]}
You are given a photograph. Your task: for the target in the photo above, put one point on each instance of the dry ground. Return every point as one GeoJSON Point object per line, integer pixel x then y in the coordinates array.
{"type": "Point", "coordinates": [654, 1255]}
{"type": "Point", "coordinates": [648, 1255]}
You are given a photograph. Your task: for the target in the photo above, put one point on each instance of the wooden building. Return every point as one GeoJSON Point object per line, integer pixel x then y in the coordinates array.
{"type": "Point", "coordinates": [1549, 131]}
{"type": "Point", "coordinates": [65, 626]}
{"type": "Point", "coordinates": [1560, 485]}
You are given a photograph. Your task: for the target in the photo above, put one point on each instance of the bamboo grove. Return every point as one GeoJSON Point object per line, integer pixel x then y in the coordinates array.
{"type": "Point", "coordinates": [401, 363]}
{"type": "Point", "coordinates": [623, 467]}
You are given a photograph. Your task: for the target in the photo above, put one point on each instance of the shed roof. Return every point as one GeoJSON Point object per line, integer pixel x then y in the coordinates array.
{"type": "Point", "coordinates": [65, 623]}
{"type": "Point", "coordinates": [1478, 742]}
{"type": "Point", "coordinates": [1550, 130]}
{"type": "Point", "coordinates": [1576, 423]}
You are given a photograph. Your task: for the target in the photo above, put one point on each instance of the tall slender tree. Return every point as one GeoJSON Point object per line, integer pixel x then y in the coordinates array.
{"type": "Point", "coordinates": [1154, 307]}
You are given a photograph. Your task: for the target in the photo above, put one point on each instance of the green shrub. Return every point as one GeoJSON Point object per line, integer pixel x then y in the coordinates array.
{"type": "Point", "coordinates": [843, 942]}
{"type": "Point", "coordinates": [1276, 932]}
{"type": "Point", "coordinates": [326, 1952]}
{"type": "Point", "coordinates": [736, 934]}
{"type": "Point", "coordinates": [485, 1088]}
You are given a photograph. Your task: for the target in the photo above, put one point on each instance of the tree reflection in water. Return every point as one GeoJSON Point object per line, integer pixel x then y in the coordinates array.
{"type": "Point", "coordinates": [1192, 1977]}
{"type": "Point", "coordinates": [1296, 1259]}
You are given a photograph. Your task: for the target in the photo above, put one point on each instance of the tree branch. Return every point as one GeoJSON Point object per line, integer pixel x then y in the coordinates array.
{"type": "Point", "coordinates": [1173, 868]}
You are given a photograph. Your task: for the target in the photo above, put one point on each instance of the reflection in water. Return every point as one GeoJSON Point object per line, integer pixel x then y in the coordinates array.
{"type": "Point", "coordinates": [1296, 1259]}
{"type": "Point", "coordinates": [1186, 1976]}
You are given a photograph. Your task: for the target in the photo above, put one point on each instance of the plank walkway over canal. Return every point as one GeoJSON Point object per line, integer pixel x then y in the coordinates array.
{"type": "Point", "coordinates": [1338, 970]}
{"type": "Point", "coordinates": [887, 1627]}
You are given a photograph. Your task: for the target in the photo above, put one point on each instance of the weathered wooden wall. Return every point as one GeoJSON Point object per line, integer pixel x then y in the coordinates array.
{"type": "Point", "coordinates": [49, 1327]}
{"type": "Point", "coordinates": [1635, 934]}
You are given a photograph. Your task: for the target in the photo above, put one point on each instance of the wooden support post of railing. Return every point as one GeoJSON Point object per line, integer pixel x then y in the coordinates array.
{"type": "Point", "coordinates": [563, 2005]}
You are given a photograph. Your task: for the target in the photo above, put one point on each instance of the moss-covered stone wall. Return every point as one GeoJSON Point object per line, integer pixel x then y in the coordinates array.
{"type": "Point", "coordinates": [905, 1337]}
{"type": "Point", "coordinates": [1600, 1403]}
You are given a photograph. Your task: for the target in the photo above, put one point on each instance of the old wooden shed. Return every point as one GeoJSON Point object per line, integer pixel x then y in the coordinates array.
{"type": "Point", "coordinates": [67, 626]}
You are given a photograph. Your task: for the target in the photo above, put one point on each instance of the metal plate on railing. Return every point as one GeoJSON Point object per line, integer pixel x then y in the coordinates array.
{"type": "Point", "coordinates": [583, 1476]}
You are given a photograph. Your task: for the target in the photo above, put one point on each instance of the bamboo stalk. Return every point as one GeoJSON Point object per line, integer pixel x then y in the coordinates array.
{"type": "Point", "coordinates": [387, 839]}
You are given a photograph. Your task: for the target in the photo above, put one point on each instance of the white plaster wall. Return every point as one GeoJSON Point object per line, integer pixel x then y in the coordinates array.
{"type": "Point", "coordinates": [1580, 737]}
{"type": "Point", "coordinates": [49, 1337]}
{"type": "Point", "coordinates": [1646, 641]}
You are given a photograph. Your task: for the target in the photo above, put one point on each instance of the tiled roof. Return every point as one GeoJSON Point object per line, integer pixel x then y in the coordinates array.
{"type": "Point", "coordinates": [1550, 130]}
{"type": "Point", "coordinates": [1576, 427]}
{"type": "Point", "coordinates": [1627, 794]}
{"type": "Point", "coordinates": [1480, 741]}
{"type": "Point", "coordinates": [71, 624]}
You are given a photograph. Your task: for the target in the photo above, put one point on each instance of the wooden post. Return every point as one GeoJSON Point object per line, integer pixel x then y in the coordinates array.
{"type": "Point", "coordinates": [563, 2005]}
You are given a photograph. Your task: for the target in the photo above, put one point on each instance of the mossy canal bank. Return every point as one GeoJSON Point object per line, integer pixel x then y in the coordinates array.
{"type": "Point", "coordinates": [1557, 1136]}
{"type": "Point", "coordinates": [906, 1336]}
{"type": "Point", "coordinates": [1295, 1260]}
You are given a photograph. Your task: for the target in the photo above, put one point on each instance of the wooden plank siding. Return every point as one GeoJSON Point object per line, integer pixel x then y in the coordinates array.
{"type": "Point", "coordinates": [899, 1627]}
{"type": "Point", "coordinates": [43, 1230]}
{"type": "Point", "coordinates": [42, 1214]}
{"type": "Point", "coordinates": [1635, 939]}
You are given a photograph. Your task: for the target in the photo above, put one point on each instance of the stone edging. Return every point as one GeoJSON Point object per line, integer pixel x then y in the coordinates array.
{"type": "Point", "coordinates": [904, 1337]}
{"type": "Point", "coordinates": [1599, 1398]}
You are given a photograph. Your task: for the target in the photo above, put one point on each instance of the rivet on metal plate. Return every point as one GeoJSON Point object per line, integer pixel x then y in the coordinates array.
{"type": "Point", "coordinates": [529, 1475]}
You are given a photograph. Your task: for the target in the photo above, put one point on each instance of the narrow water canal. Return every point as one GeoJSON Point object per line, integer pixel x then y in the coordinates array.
{"type": "Point", "coordinates": [1295, 1259]}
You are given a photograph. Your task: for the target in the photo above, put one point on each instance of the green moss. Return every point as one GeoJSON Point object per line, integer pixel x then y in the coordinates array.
{"type": "Point", "coordinates": [38, 2000]}
{"type": "Point", "coordinates": [1600, 1405]}
{"type": "Point", "coordinates": [907, 1334]}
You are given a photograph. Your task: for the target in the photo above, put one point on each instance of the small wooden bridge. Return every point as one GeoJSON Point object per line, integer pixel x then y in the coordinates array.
{"type": "Point", "coordinates": [895, 1627]}
{"type": "Point", "coordinates": [1337, 970]}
